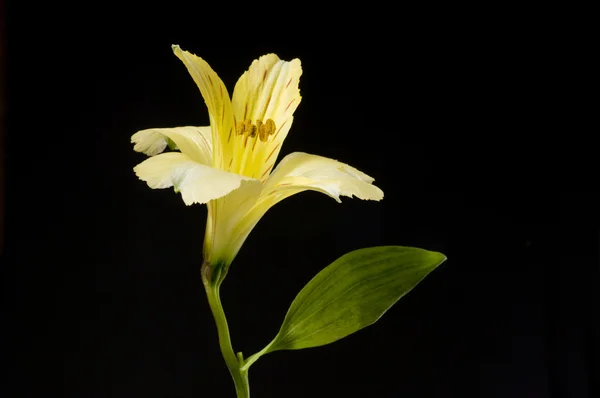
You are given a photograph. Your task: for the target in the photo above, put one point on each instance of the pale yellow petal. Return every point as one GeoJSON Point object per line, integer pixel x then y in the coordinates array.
{"type": "Point", "coordinates": [267, 90]}
{"type": "Point", "coordinates": [299, 171]}
{"type": "Point", "coordinates": [218, 103]}
{"type": "Point", "coordinates": [198, 183]}
{"type": "Point", "coordinates": [150, 142]}
{"type": "Point", "coordinates": [225, 233]}
{"type": "Point", "coordinates": [196, 142]}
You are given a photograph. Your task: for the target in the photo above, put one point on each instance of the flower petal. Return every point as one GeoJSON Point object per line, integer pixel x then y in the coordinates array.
{"type": "Point", "coordinates": [299, 172]}
{"type": "Point", "coordinates": [267, 90]}
{"type": "Point", "coordinates": [198, 183]}
{"type": "Point", "coordinates": [217, 101]}
{"type": "Point", "coordinates": [225, 234]}
{"type": "Point", "coordinates": [150, 142]}
{"type": "Point", "coordinates": [196, 142]}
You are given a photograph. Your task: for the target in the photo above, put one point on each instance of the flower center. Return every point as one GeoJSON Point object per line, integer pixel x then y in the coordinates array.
{"type": "Point", "coordinates": [263, 130]}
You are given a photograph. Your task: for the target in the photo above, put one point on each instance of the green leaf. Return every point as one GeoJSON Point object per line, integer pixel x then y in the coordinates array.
{"type": "Point", "coordinates": [352, 293]}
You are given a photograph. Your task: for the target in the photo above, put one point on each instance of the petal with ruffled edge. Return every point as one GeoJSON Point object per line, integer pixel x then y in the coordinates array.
{"type": "Point", "coordinates": [198, 183]}
{"type": "Point", "coordinates": [195, 142]}
{"type": "Point", "coordinates": [300, 171]}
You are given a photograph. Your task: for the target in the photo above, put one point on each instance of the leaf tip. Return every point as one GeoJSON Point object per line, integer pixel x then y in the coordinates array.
{"type": "Point", "coordinates": [437, 257]}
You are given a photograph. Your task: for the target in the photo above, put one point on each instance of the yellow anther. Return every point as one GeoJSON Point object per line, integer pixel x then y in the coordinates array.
{"type": "Point", "coordinates": [239, 128]}
{"type": "Point", "coordinates": [262, 134]}
{"type": "Point", "coordinates": [266, 130]}
{"type": "Point", "coordinates": [252, 131]}
{"type": "Point", "coordinates": [260, 127]}
{"type": "Point", "coordinates": [263, 130]}
{"type": "Point", "coordinates": [270, 124]}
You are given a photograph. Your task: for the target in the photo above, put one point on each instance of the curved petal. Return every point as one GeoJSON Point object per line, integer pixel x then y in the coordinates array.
{"type": "Point", "coordinates": [196, 142]}
{"type": "Point", "coordinates": [299, 172]}
{"type": "Point", "coordinates": [218, 103]}
{"type": "Point", "coordinates": [267, 90]}
{"type": "Point", "coordinates": [224, 233]}
{"type": "Point", "coordinates": [150, 142]}
{"type": "Point", "coordinates": [198, 183]}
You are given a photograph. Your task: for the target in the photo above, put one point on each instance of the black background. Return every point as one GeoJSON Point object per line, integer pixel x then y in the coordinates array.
{"type": "Point", "coordinates": [464, 117]}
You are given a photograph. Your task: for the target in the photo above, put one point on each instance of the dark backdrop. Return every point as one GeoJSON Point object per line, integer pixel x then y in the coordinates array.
{"type": "Point", "coordinates": [461, 115]}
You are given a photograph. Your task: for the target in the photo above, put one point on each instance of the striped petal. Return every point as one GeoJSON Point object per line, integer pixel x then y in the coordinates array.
{"type": "Point", "coordinates": [296, 173]}
{"type": "Point", "coordinates": [218, 103]}
{"type": "Point", "coordinates": [264, 100]}
{"type": "Point", "coordinates": [299, 172]}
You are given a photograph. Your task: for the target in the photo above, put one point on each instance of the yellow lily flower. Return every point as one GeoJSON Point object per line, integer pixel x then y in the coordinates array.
{"type": "Point", "coordinates": [229, 165]}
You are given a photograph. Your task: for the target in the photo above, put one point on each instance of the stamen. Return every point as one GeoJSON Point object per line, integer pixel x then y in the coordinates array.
{"type": "Point", "coordinates": [239, 128]}
{"type": "Point", "coordinates": [270, 126]}
{"type": "Point", "coordinates": [252, 131]}
{"type": "Point", "coordinates": [263, 130]}
{"type": "Point", "coordinates": [262, 133]}
{"type": "Point", "coordinates": [266, 130]}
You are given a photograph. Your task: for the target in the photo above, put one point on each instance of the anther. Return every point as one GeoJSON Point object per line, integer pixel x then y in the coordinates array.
{"type": "Point", "coordinates": [263, 130]}
{"type": "Point", "coordinates": [263, 133]}
{"type": "Point", "coordinates": [239, 128]}
{"type": "Point", "coordinates": [270, 126]}
{"type": "Point", "coordinates": [252, 131]}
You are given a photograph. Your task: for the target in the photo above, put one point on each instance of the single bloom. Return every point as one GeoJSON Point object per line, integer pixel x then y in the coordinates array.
{"type": "Point", "coordinates": [229, 164]}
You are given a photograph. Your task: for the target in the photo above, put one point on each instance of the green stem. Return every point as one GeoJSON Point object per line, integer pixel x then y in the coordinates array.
{"type": "Point", "coordinates": [240, 377]}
